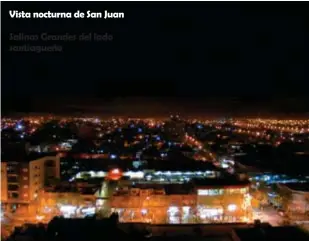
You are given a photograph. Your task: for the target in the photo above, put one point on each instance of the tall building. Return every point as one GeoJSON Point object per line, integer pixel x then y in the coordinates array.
{"type": "Point", "coordinates": [22, 180]}
{"type": "Point", "coordinates": [4, 185]}
{"type": "Point", "coordinates": [175, 129]}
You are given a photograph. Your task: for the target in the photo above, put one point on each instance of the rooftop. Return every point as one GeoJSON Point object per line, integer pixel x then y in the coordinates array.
{"type": "Point", "coordinates": [94, 181]}
{"type": "Point", "coordinates": [170, 189]}
{"type": "Point", "coordinates": [24, 157]}
{"type": "Point", "coordinates": [271, 234]}
{"type": "Point", "coordinates": [86, 229]}
{"type": "Point", "coordinates": [150, 164]}
{"type": "Point", "coordinates": [302, 187]}
{"type": "Point", "coordinates": [182, 165]}
{"type": "Point", "coordinates": [72, 189]}
{"type": "Point", "coordinates": [109, 229]}
{"type": "Point", "coordinates": [225, 181]}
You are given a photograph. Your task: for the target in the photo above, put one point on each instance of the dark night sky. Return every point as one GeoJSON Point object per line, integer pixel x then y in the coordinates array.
{"type": "Point", "coordinates": [254, 53]}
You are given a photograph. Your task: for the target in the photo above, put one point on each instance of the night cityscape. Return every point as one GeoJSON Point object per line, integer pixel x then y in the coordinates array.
{"type": "Point", "coordinates": [155, 121]}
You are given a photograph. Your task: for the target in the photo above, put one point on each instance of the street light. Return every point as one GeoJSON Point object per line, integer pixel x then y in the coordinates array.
{"type": "Point", "coordinates": [231, 207]}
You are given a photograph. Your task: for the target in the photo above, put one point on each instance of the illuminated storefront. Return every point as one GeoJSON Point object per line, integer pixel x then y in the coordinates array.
{"type": "Point", "coordinates": [67, 204]}
{"type": "Point", "coordinates": [199, 205]}
{"type": "Point", "coordinates": [225, 204]}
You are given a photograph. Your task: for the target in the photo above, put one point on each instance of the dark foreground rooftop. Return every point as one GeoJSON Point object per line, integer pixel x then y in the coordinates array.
{"type": "Point", "coordinates": [24, 157]}
{"type": "Point", "coordinates": [225, 181]}
{"type": "Point", "coordinates": [92, 229]}
{"type": "Point", "coordinates": [271, 234]}
{"type": "Point", "coordinates": [300, 187]}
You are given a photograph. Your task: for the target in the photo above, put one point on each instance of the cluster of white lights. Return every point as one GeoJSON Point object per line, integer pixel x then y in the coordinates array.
{"type": "Point", "coordinates": [69, 210]}
{"type": "Point", "coordinates": [210, 212]}
{"type": "Point", "coordinates": [177, 173]}
{"type": "Point", "coordinates": [141, 174]}
{"type": "Point", "coordinates": [131, 174]}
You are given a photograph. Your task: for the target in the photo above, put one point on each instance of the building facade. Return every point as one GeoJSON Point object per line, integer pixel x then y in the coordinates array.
{"type": "Point", "coordinates": [22, 180]}
{"type": "Point", "coordinates": [4, 184]}
{"type": "Point", "coordinates": [69, 203]}
{"type": "Point", "coordinates": [200, 204]}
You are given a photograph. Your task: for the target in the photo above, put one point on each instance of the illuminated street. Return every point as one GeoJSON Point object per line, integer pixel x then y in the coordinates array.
{"type": "Point", "coordinates": [270, 215]}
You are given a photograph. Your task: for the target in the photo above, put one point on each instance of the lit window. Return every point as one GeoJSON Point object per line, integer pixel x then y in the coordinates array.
{"type": "Point", "coordinates": [210, 192]}
{"type": "Point", "coordinates": [214, 192]}
{"type": "Point", "coordinates": [243, 190]}
{"type": "Point", "coordinates": [25, 195]}
{"type": "Point", "coordinates": [202, 192]}
{"type": "Point", "coordinates": [25, 169]}
{"type": "Point", "coordinates": [233, 191]}
{"type": "Point", "coordinates": [25, 186]}
{"type": "Point", "coordinates": [25, 178]}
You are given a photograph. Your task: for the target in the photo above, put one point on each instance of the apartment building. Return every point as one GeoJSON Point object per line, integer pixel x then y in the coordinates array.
{"type": "Point", "coordinates": [4, 184]}
{"type": "Point", "coordinates": [21, 180]}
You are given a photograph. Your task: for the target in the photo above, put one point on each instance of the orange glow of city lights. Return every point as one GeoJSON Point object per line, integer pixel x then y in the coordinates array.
{"type": "Point", "coordinates": [115, 171]}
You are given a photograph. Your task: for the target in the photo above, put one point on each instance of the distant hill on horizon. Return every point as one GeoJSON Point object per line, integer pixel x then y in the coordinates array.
{"type": "Point", "coordinates": [153, 107]}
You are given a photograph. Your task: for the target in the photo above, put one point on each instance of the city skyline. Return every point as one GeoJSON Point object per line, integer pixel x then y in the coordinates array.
{"type": "Point", "coordinates": [152, 120]}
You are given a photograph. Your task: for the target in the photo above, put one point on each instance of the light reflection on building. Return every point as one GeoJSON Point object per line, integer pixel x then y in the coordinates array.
{"type": "Point", "coordinates": [172, 204]}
